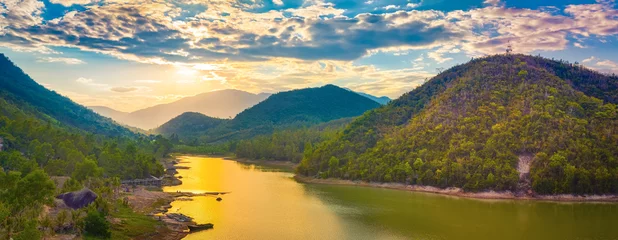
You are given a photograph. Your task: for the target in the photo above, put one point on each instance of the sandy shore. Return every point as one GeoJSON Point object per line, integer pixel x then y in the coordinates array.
{"type": "Point", "coordinates": [458, 192]}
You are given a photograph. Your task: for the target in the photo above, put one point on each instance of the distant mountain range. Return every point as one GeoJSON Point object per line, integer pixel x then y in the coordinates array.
{"type": "Point", "coordinates": [223, 104]}
{"type": "Point", "coordinates": [302, 107]}
{"type": "Point", "coordinates": [381, 100]}
{"type": "Point", "coordinates": [219, 104]}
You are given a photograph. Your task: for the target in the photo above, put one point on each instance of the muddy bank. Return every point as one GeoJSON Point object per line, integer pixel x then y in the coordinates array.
{"type": "Point", "coordinates": [458, 192]}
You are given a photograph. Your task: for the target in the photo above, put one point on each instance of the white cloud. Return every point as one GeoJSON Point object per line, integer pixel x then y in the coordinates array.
{"type": "Point", "coordinates": [69, 61]}
{"type": "Point", "coordinates": [84, 80]}
{"type": "Point", "coordinates": [68, 3]}
{"type": "Point", "coordinates": [592, 58]}
{"type": "Point", "coordinates": [91, 82]}
{"type": "Point", "coordinates": [492, 2]}
{"type": "Point", "coordinates": [391, 7]}
{"type": "Point", "coordinates": [278, 2]}
{"type": "Point", "coordinates": [579, 45]}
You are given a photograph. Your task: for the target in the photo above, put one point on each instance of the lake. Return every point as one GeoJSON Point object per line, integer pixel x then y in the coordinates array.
{"type": "Point", "coordinates": [267, 203]}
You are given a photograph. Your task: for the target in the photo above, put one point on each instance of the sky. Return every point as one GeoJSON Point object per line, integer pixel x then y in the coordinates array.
{"type": "Point", "coordinates": [129, 55]}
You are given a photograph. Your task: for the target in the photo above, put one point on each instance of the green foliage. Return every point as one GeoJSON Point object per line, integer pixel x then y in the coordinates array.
{"type": "Point", "coordinates": [21, 200]}
{"type": "Point", "coordinates": [18, 87]}
{"type": "Point", "coordinates": [284, 110]}
{"type": "Point", "coordinates": [468, 126]}
{"type": "Point", "coordinates": [96, 225]}
{"type": "Point", "coordinates": [289, 144]}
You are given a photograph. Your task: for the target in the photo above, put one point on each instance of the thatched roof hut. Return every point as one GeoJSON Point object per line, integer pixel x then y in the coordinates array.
{"type": "Point", "coordinates": [78, 199]}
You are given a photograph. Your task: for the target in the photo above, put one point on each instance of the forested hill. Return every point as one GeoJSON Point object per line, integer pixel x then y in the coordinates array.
{"type": "Point", "coordinates": [312, 105]}
{"type": "Point", "coordinates": [291, 109]}
{"type": "Point", "coordinates": [19, 88]}
{"type": "Point", "coordinates": [472, 125]}
{"type": "Point", "coordinates": [190, 124]}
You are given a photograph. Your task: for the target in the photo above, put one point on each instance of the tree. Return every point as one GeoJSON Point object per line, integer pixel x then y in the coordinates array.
{"type": "Point", "coordinates": [96, 225]}
{"type": "Point", "coordinates": [87, 168]}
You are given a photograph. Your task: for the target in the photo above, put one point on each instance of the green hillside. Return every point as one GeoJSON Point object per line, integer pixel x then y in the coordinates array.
{"type": "Point", "coordinates": [16, 86]}
{"type": "Point", "coordinates": [473, 124]}
{"type": "Point", "coordinates": [291, 109]}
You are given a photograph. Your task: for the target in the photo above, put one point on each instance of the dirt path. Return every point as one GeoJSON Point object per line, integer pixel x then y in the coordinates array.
{"type": "Point", "coordinates": [524, 186]}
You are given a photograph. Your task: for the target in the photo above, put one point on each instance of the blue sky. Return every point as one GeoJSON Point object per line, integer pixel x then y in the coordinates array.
{"type": "Point", "coordinates": [133, 54]}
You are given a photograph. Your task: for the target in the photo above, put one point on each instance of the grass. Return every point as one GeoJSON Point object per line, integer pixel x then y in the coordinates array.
{"type": "Point", "coordinates": [132, 224]}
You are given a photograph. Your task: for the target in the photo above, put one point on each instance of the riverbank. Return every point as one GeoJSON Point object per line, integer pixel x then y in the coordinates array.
{"type": "Point", "coordinates": [279, 164]}
{"type": "Point", "coordinates": [458, 192]}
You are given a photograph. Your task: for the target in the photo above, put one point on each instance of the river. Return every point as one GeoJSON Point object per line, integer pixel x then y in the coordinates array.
{"type": "Point", "coordinates": [267, 203]}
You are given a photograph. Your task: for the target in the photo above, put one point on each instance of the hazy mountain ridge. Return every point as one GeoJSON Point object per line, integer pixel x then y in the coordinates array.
{"type": "Point", "coordinates": [468, 126]}
{"type": "Point", "coordinates": [296, 108]}
{"type": "Point", "coordinates": [381, 100]}
{"type": "Point", "coordinates": [218, 104]}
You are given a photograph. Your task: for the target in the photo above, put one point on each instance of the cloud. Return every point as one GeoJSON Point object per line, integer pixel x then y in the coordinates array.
{"type": "Point", "coordinates": [84, 80]}
{"type": "Point", "coordinates": [90, 82]}
{"type": "Point", "coordinates": [492, 2]}
{"type": "Point", "coordinates": [68, 3]}
{"type": "Point", "coordinates": [123, 89]}
{"type": "Point", "coordinates": [157, 31]}
{"type": "Point", "coordinates": [608, 63]}
{"type": "Point", "coordinates": [69, 61]}
{"type": "Point", "coordinates": [254, 46]}
{"type": "Point", "coordinates": [592, 58]}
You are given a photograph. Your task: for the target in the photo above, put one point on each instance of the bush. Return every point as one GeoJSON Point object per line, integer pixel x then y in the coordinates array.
{"type": "Point", "coordinates": [95, 224]}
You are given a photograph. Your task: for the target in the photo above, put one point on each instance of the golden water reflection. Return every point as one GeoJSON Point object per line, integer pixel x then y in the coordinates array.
{"type": "Point", "coordinates": [265, 203]}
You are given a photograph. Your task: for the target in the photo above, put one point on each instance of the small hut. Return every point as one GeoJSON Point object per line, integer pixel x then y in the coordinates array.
{"type": "Point", "coordinates": [78, 199]}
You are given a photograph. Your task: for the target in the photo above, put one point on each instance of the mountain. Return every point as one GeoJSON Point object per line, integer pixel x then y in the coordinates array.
{"type": "Point", "coordinates": [504, 122]}
{"type": "Point", "coordinates": [219, 104]}
{"type": "Point", "coordinates": [19, 89]}
{"type": "Point", "coordinates": [294, 108]}
{"type": "Point", "coordinates": [381, 100]}
{"type": "Point", "coordinates": [314, 105]}
{"type": "Point", "coordinates": [188, 123]}
{"type": "Point", "coordinates": [109, 112]}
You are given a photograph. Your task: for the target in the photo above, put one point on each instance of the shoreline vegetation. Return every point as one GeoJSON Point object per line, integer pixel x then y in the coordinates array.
{"type": "Point", "coordinates": [458, 192]}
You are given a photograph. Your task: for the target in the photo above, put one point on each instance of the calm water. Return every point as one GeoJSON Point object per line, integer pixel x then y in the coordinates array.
{"type": "Point", "coordinates": [265, 203]}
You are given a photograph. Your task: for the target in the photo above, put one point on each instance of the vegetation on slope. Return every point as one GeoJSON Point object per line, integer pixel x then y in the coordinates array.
{"type": "Point", "coordinates": [190, 125]}
{"type": "Point", "coordinates": [78, 144]}
{"type": "Point", "coordinates": [285, 110]}
{"type": "Point", "coordinates": [19, 88]}
{"type": "Point", "coordinates": [288, 144]}
{"type": "Point", "coordinates": [468, 126]}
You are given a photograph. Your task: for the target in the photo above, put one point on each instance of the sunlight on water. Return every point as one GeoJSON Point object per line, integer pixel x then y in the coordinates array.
{"type": "Point", "coordinates": [268, 204]}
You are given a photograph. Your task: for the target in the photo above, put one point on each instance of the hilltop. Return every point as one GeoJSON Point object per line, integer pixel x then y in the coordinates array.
{"type": "Point", "coordinates": [503, 122]}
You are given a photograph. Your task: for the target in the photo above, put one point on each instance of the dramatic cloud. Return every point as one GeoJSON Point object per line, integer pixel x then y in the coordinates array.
{"type": "Point", "coordinates": [276, 45]}
{"type": "Point", "coordinates": [154, 31]}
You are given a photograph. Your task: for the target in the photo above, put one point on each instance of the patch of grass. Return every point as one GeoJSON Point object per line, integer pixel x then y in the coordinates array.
{"type": "Point", "coordinates": [132, 224]}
